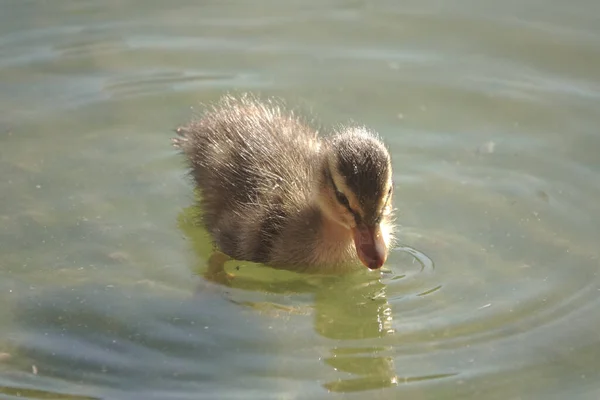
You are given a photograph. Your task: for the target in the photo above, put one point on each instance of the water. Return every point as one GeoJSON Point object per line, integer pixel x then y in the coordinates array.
{"type": "Point", "coordinates": [491, 111]}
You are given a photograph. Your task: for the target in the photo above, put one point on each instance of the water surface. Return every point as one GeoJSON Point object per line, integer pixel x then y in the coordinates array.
{"type": "Point", "coordinates": [490, 110]}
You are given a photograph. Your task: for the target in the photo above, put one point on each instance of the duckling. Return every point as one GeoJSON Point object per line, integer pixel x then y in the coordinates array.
{"type": "Point", "coordinates": [273, 191]}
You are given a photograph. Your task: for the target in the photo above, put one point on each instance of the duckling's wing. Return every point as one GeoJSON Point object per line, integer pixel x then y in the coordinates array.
{"type": "Point", "coordinates": [253, 164]}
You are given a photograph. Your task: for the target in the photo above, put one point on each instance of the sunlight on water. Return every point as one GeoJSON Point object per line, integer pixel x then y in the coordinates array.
{"type": "Point", "coordinates": [490, 111]}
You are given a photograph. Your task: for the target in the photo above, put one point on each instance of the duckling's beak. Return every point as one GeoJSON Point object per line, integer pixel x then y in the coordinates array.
{"type": "Point", "coordinates": [370, 246]}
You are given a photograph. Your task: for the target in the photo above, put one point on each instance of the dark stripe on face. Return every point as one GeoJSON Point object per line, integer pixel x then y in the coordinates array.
{"type": "Point", "coordinates": [342, 199]}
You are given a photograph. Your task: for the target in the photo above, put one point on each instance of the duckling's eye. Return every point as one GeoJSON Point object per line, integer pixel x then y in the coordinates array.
{"type": "Point", "coordinates": [341, 197]}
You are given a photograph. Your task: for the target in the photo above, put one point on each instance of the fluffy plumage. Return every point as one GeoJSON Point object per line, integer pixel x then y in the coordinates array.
{"type": "Point", "coordinates": [274, 192]}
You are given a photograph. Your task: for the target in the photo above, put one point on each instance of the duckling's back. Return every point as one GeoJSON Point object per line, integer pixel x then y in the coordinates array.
{"type": "Point", "coordinates": [254, 165]}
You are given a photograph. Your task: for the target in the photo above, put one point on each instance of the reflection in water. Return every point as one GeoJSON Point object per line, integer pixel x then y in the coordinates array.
{"type": "Point", "coordinates": [496, 165]}
{"type": "Point", "coordinates": [40, 394]}
{"type": "Point", "coordinates": [350, 310]}
{"type": "Point", "coordinates": [355, 308]}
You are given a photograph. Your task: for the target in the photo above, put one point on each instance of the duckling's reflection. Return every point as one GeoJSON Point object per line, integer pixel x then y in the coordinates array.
{"type": "Point", "coordinates": [352, 308]}
{"type": "Point", "coordinates": [355, 308]}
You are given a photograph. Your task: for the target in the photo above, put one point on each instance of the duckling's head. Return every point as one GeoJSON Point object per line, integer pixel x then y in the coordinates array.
{"type": "Point", "coordinates": [355, 190]}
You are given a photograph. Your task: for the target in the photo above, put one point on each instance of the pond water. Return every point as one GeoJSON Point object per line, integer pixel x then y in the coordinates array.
{"type": "Point", "coordinates": [491, 112]}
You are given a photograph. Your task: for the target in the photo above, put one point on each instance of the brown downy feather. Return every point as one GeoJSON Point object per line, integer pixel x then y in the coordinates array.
{"type": "Point", "coordinates": [259, 171]}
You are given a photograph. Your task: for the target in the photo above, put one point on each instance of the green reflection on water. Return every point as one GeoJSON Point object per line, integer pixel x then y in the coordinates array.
{"type": "Point", "coordinates": [345, 309]}
{"type": "Point", "coordinates": [490, 110]}
{"type": "Point", "coordinates": [41, 394]}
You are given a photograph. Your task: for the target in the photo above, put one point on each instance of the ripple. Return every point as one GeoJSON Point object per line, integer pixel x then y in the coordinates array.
{"type": "Point", "coordinates": [154, 82]}
{"type": "Point", "coordinates": [426, 262]}
{"type": "Point", "coordinates": [492, 294]}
